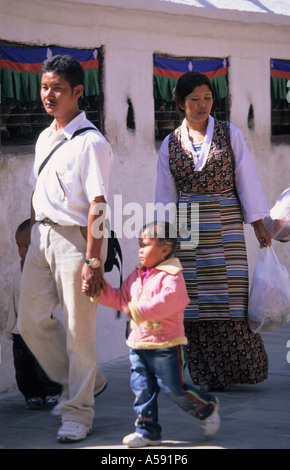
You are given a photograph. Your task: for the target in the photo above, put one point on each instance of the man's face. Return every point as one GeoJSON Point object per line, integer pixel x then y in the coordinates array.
{"type": "Point", "coordinates": [58, 97]}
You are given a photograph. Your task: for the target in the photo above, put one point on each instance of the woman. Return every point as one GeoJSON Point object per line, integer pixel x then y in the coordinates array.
{"type": "Point", "coordinates": [195, 166]}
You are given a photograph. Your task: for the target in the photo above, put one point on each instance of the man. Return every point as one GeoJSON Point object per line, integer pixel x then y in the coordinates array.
{"type": "Point", "coordinates": [67, 246]}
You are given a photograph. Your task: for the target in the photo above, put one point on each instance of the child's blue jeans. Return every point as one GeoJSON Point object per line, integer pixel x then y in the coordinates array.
{"type": "Point", "coordinates": [155, 369]}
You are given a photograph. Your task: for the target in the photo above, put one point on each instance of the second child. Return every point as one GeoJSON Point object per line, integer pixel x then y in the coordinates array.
{"type": "Point", "coordinates": [32, 381]}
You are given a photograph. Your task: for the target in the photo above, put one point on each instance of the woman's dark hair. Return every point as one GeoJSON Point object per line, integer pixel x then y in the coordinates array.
{"type": "Point", "coordinates": [187, 83]}
{"type": "Point", "coordinates": [65, 65]}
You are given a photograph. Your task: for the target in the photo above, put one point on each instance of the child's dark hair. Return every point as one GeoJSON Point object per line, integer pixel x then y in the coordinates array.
{"type": "Point", "coordinates": [23, 226]}
{"type": "Point", "coordinates": [65, 65]}
{"type": "Point", "coordinates": [163, 231]}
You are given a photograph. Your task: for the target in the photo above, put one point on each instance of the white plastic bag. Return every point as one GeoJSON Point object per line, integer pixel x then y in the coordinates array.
{"type": "Point", "coordinates": [269, 299]}
{"type": "Point", "coordinates": [278, 223]}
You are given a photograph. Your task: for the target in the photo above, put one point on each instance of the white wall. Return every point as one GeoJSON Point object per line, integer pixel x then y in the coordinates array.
{"type": "Point", "coordinates": [130, 36]}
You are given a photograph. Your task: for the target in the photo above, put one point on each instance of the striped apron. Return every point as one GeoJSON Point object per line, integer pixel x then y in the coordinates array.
{"type": "Point", "coordinates": [216, 271]}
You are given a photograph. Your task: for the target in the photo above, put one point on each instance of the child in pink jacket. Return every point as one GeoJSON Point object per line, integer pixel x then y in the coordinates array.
{"type": "Point", "coordinates": [154, 298]}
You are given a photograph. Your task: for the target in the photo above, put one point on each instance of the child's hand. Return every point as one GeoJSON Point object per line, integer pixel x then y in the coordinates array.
{"type": "Point", "coordinates": [85, 287]}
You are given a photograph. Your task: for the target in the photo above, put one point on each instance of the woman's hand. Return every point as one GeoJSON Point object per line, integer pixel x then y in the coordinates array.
{"type": "Point", "coordinates": [263, 236]}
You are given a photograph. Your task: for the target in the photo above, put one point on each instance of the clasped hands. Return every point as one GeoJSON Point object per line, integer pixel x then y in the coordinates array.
{"type": "Point", "coordinates": [93, 282]}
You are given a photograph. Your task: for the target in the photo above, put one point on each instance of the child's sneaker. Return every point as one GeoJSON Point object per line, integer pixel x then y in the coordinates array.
{"type": "Point", "coordinates": [138, 440]}
{"type": "Point", "coordinates": [34, 403]}
{"type": "Point", "coordinates": [211, 425]}
{"type": "Point", "coordinates": [51, 401]}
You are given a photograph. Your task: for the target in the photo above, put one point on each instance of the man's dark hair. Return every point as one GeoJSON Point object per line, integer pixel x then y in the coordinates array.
{"type": "Point", "coordinates": [65, 65]}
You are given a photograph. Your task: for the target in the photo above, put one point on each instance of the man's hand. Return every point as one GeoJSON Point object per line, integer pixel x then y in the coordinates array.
{"type": "Point", "coordinates": [93, 282]}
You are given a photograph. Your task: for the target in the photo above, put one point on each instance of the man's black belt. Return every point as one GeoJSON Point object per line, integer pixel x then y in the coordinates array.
{"type": "Point", "coordinates": [47, 221]}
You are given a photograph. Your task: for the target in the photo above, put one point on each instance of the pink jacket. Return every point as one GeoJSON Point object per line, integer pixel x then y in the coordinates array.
{"type": "Point", "coordinates": [156, 304]}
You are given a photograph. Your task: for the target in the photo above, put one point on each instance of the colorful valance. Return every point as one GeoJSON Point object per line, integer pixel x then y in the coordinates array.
{"type": "Point", "coordinates": [20, 70]}
{"type": "Point", "coordinates": [280, 78]}
{"type": "Point", "coordinates": [167, 72]}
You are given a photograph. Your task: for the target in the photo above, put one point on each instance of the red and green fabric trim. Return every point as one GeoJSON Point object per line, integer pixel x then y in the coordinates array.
{"type": "Point", "coordinates": [167, 71]}
{"type": "Point", "coordinates": [20, 70]}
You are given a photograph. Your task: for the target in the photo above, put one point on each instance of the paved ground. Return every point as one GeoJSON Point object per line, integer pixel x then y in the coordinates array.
{"type": "Point", "coordinates": [253, 416]}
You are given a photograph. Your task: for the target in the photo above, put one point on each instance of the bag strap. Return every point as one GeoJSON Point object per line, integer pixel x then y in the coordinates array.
{"type": "Point", "coordinates": [77, 132]}
{"type": "Point", "coordinates": [83, 129]}
{"type": "Point", "coordinates": [45, 161]}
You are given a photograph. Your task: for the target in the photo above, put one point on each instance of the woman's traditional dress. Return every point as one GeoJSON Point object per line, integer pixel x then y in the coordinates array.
{"type": "Point", "coordinates": [221, 350]}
